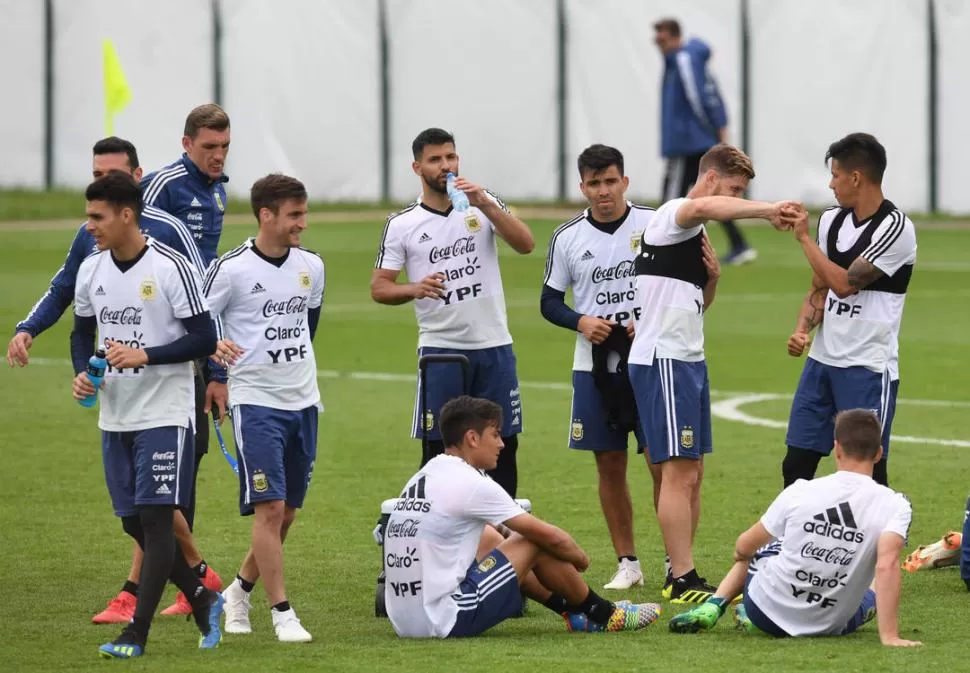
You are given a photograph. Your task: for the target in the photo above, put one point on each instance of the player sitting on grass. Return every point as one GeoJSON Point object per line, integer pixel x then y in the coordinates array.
{"type": "Point", "coordinates": [452, 573]}
{"type": "Point", "coordinates": [807, 566]}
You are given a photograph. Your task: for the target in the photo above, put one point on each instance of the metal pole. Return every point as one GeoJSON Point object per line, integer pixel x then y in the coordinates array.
{"type": "Point", "coordinates": [49, 94]}
{"type": "Point", "coordinates": [385, 102]}
{"type": "Point", "coordinates": [933, 99]}
{"type": "Point", "coordinates": [561, 75]}
{"type": "Point", "coordinates": [216, 52]}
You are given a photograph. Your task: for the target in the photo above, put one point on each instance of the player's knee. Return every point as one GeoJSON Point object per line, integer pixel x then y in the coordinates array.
{"type": "Point", "coordinates": [270, 513]}
{"type": "Point", "coordinates": [289, 516]}
{"type": "Point", "coordinates": [680, 474]}
{"type": "Point", "coordinates": [133, 528]}
{"type": "Point", "coordinates": [611, 466]}
{"type": "Point", "coordinates": [799, 464]}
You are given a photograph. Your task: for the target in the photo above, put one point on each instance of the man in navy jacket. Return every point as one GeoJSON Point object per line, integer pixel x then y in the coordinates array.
{"type": "Point", "coordinates": [693, 119]}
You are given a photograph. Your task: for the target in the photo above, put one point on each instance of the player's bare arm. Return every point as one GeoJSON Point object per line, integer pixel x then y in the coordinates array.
{"type": "Point", "coordinates": [862, 273]}
{"type": "Point", "coordinates": [713, 266]}
{"type": "Point", "coordinates": [384, 288]}
{"type": "Point", "coordinates": [887, 585]}
{"type": "Point", "coordinates": [831, 274]}
{"type": "Point", "coordinates": [17, 349]}
{"type": "Point", "coordinates": [809, 317]}
{"type": "Point", "coordinates": [553, 540]}
{"type": "Point", "coordinates": [750, 541]}
{"type": "Point", "coordinates": [694, 212]}
{"type": "Point", "coordinates": [511, 229]}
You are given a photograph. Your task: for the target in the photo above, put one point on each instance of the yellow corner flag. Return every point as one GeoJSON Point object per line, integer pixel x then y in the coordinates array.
{"type": "Point", "coordinates": [117, 94]}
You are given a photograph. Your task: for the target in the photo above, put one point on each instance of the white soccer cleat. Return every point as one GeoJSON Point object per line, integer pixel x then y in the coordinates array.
{"type": "Point", "coordinates": [628, 574]}
{"type": "Point", "coordinates": [945, 552]}
{"type": "Point", "coordinates": [288, 627]}
{"type": "Point", "coordinates": [237, 609]}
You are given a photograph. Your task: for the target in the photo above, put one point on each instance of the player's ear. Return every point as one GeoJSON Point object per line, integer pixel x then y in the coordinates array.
{"type": "Point", "coordinates": [137, 174]}
{"type": "Point", "coordinates": [626, 182]}
{"type": "Point", "coordinates": [186, 143]}
{"type": "Point", "coordinates": [838, 450]}
{"type": "Point", "coordinates": [416, 167]}
{"type": "Point", "coordinates": [878, 457]}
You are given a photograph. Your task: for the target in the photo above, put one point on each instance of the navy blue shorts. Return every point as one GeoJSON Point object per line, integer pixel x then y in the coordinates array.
{"type": "Point", "coordinates": [276, 450]}
{"type": "Point", "coordinates": [487, 596]}
{"type": "Point", "coordinates": [865, 612]}
{"type": "Point", "coordinates": [148, 467]}
{"type": "Point", "coordinates": [491, 375]}
{"type": "Point", "coordinates": [589, 429]}
{"type": "Point", "coordinates": [674, 402]}
{"type": "Point", "coordinates": [824, 390]}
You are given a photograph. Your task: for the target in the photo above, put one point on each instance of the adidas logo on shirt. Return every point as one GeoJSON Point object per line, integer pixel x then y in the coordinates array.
{"type": "Point", "coordinates": [195, 203]}
{"type": "Point", "coordinates": [586, 256]}
{"type": "Point", "coordinates": [99, 292]}
{"type": "Point", "coordinates": [836, 523]}
{"type": "Point", "coordinates": [257, 289]}
{"type": "Point", "coordinates": [163, 490]}
{"type": "Point", "coordinates": [424, 238]}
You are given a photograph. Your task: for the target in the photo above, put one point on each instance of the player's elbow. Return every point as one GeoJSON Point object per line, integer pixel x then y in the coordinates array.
{"type": "Point", "coordinates": [377, 290]}
{"type": "Point", "coordinates": [886, 565]}
{"type": "Point", "coordinates": [843, 291]}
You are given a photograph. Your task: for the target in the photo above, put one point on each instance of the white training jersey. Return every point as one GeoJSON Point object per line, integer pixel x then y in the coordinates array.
{"type": "Point", "coordinates": [596, 261]}
{"type": "Point", "coordinates": [264, 308]}
{"type": "Point", "coordinates": [863, 329]}
{"type": "Point", "coordinates": [142, 307]}
{"type": "Point", "coordinates": [671, 322]}
{"type": "Point", "coordinates": [462, 246]}
{"type": "Point", "coordinates": [430, 543]}
{"type": "Point", "coordinates": [829, 529]}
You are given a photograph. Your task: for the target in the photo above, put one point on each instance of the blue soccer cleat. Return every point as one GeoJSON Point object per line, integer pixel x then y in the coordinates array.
{"type": "Point", "coordinates": [126, 646]}
{"type": "Point", "coordinates": [211, 640]}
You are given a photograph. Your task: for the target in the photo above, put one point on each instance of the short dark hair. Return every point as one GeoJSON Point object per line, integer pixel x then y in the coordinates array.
{"type": "Point", "coordinates": [116, 145]}
{"type": "Point", "coordinates": [465, 413]}
{"type": "Point", "coordinates": [859, 433]}
{"type": "Point", "coordinates": [208, 116]}
{"type": "Point", "coordinates": [862, 152]}
{"type": "Point", "coordinates": [117, 188]}
{"type": "Point", "coordinates": [272, 190]}
{"type": "Point", "coordinates": [596, 158]}
{"type": "Point", "coordinates": [432, 136]}
{"type": "Point", "coordinates": [727, 160]}
{"type": "Point", "coordinates": [668, 25]}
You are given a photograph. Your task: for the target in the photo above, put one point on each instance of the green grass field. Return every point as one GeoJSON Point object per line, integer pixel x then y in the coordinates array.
{"type": "Point", "coordinates": [63, 554]}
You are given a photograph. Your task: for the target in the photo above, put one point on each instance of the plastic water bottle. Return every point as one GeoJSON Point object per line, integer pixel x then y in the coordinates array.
{"type": "Point", "coordinates": [458, 198]}
{"type": "Point", "coordinates": [95, 371]}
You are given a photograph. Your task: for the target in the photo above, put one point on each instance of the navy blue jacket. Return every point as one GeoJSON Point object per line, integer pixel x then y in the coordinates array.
{"type": "Point", "coordinates": [183, 190]}
{"type": "Point", "coordinates": [692, 110]}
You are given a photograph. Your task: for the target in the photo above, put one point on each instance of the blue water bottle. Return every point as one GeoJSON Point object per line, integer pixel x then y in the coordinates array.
{"type": "Point", "coordinates": [458, 198]}
{"type": "Point", "coordinates": [95, 371]}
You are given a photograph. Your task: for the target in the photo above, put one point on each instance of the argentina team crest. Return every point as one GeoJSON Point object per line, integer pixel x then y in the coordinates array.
{"type": "Point", "coordinates": [260, 483]}
{"type": "Point", "coordinates": [577, 430]}
{"type": "Point", "coordinates": [635, 241]}
{"type": "Point", "coordinates": [428, 421]}
{"type": "Point", "coordinates": [487, 564]}
{"type": "Point", "coordinates": [218, 197]}
{"type": "Point", "coordinates": [147, 290]}
{"type": "Point", "coordinates": [472, 223]}
{"type": "Point", "coordinates": [304, 278]}
{"type": "Point", "coordinates": [687, 437]}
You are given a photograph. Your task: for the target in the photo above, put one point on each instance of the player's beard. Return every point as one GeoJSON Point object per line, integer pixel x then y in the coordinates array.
{"type": "Point", "coordinates": [435, 183]}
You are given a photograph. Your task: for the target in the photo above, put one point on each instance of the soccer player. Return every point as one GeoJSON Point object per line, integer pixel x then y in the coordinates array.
{"type": "Point", "coordinates": [452, 573]}
{"type": "Point", "coordinates": [269, 293]}
{"type": "Point", "coordinates": [593, 254]}
{"type": "Point", "coordinates": [693, 119]}
{"type": "Point", "coordinates": [806, 567]}
{"type": "Point", "coordinates": [862, 261]}
{"type": "Point", "coordinates": [115, 155]}
{"type": "Point", "coordinates": [144, 301]}
{"type": "Point", "coordinates": [677, 274]}
{"type": "Point", "coordinates": [451, 261]}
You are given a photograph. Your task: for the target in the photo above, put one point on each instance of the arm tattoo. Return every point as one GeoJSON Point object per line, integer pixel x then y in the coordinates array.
{"type": "Point", "coordinates": [813, 309]}
{"type": "Point", "coordinates": [863, 273]}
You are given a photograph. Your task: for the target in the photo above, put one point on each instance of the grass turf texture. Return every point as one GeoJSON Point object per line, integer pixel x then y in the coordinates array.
{"type": "Point", "coordinates": [63, 554]}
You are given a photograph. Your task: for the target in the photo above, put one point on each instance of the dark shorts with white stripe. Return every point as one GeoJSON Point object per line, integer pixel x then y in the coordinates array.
{"type": "Point", "coordinates": [487, 596]}
{"type": "Point", "coordinates": [674, 403]}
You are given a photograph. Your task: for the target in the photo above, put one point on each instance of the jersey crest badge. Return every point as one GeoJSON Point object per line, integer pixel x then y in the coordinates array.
{"type": "Point", "coordinates": [687, 437]}
{"type": "Point", "coordinates": [218, 198]}
{"type": "Point", "coordinates": [147, 290]}
{"type": "Point", "coordinates": [428, 421]}
{"type": "Point", "coordinates": [304, 280]}
{"type": "Point", "coordinates": [487, 564]}
{"type": "Point", "coordinates": [635, 241]}
{"type": "Point", "coordinates": [577, 430]}
{"type": "Point", "coordinates": [472, 223]}
{"type": "Point", "coordinates": [260, 483]}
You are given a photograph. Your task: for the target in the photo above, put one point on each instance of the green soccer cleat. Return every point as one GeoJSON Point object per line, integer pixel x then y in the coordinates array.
{"type": "Point", "coordinates": [741, 621]}
{"type": "Point", "coordinates": [702, 618]}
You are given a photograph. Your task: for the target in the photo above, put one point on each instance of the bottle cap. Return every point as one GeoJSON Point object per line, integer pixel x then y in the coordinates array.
{"type": "Point", "coordinates": [100, 351]}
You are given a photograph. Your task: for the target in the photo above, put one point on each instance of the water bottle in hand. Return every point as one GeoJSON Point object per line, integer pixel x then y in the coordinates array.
{"type": "Point", "coordinates": [95, 372]}
{"type": "Point", "coordinates": [458, 198]}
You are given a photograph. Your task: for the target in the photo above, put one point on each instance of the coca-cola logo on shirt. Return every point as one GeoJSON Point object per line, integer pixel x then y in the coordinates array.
{"type": "Point", "coordinates": [129, 315]}
{"type": "Point", "coordinates": [839, 556]}
{"type": "Point", "coordinates": [406, 528]}
{"type": "Point", "coordinates": [462, 246]}
{"type": "Point", "coordinates": [622, 270]}
{"type": "Point", "coordinates": [285, 307]}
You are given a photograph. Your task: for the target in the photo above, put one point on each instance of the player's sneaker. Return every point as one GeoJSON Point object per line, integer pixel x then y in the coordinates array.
{"type": "Point", "coordinates": [120, 610]}
{"type": "Point", "coordinates": [211, 640]}
{"type": "Point", "coordinates": [626, 616]}
{"type": "Point", "coordinates": [740, 256]}
{"type": "Point", "coordinates": [698, 591]}
{"type": "Point", "coordinates": [703, 617]}
{"type": "Point", "coordinates": [237, 609]}
{"type": "Point", "coordinates": [942, 553]}
{"type": "Point", "coordinates": [741, 621]}
{"type": "Point", "coordinates": [628, 574]}
{"type": "Point", "coordinates": [288, 627]}
{"type": "Point", "coordinates": [126, 646]}
{"type": "Point", "coordinates": [181, 606]}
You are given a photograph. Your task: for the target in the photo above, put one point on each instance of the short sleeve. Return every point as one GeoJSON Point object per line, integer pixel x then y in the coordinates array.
{"type": "Point", "coordinates": [822, 231]}
{"type": "Point", "coordinates": [392, 254]}
{"type": "Point", "coordinates": [82, 297]}
{"type": "Point", "coordinates": [558, 273]}
{"type": "Point", "coordinates": [183, 287]}
{"type": "Point", "coordinates": [901, 518]}
{"type": "Point", "coordinates": [663, 228]}
{"type": "Point", "coordinates": [893, 244]}
{"type": "Point", "coordinates": [217, 288]}
{"type": "Point", "coordinates": [775, 518]}
{"type": "Point", "coordinates": [318, 283]}
{"type": "Point", "coordinates": [489, 502]}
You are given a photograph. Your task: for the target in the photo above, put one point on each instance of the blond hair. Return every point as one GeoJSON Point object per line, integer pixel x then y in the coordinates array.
{"type": "Point", "coordinates": [727, 160]}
